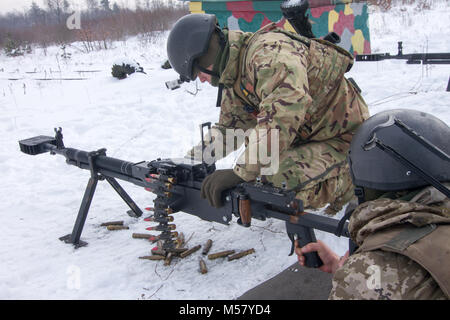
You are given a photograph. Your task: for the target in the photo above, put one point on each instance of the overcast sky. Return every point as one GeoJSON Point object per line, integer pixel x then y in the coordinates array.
{"type": "Point", "coordinates": [20, 5]}
{"type": "Point", "coordinates": [11, 5]}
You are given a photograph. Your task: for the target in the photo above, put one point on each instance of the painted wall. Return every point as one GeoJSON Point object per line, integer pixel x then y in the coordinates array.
{"type": "Point", "coordinates": [348, 19]}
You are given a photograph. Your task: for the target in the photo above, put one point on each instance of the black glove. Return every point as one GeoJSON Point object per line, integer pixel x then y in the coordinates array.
{"type": "Point", "coordinates": [216, 183]}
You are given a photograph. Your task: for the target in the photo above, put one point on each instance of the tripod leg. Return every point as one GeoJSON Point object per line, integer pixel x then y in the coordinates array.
{"type": "Point", "coordinates": [135, 211]}
{"type": "Point", "coordinates": [74, 237]}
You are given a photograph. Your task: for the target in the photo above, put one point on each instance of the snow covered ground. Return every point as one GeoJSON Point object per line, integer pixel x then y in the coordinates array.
{"type": "Point", "coordinates": [139, 119]}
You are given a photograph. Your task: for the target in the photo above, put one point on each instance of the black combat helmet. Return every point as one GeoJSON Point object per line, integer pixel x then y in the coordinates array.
{"type": "Point", "coordinates": [401, 149]}
{"type": "Point", "coordinates": [189, 40]}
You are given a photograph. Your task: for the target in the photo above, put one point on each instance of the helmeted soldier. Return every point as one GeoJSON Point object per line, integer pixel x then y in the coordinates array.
{"type": "Point", "coordinates": [400, 165]}
{"type": "Point", "coordinates": [279, 84]}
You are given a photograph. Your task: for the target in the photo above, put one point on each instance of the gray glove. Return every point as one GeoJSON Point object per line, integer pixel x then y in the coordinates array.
{"type": "Point", "coordinates": [216, 183]}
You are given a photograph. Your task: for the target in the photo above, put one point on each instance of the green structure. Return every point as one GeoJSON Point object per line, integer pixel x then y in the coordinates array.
{"type": "Point", "coordinates": [347, 18]}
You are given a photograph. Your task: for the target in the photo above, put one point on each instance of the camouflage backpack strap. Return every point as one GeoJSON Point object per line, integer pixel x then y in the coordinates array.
{"type": "Point", "coordinates": [242, 87]}
{"type": "Point", "coordinates": [340, 50]}
{"type": "Point", "coordinates": [429, 246]}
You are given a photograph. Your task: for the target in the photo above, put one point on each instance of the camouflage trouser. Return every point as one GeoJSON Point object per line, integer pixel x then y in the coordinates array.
{"type": "Point", "coordinates": [319, 172]}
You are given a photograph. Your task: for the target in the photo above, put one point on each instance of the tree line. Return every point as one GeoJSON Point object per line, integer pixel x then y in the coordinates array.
{"type": "Point", "coordinates": [100, 23]}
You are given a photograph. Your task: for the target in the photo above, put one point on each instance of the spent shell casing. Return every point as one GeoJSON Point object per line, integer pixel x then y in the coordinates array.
{"type": "Point", "coordinates": [220, 254]}
{"type": "Point", "coordinates": [203, 268]}
{"type": "Point", "coordinates": [155, 257]}
{"type": "Point", "coordinates": [141, 236]}
{"type": "Point", "coordinates": [112, 223]}
{"type": "Point", "coordinates": [190, 251]}
{"type": "Point", "coordinates": [241, 254]}
{"type": "Point", "coordinates": [207, 247]}
{"type": "Point", "coordinates": [113, 227]}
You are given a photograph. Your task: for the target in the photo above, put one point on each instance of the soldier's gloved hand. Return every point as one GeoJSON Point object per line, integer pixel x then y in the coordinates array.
{"type": "Point", "coordinates": [216, 183]}
{"type": "Point", "coordinates": [331, 261]}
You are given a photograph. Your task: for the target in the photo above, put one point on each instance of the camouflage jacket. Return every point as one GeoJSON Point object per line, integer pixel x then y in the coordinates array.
{"type": "Point", "coordinates": [385, 273]}
{"type": "Point", "coordinates": [297, 86]}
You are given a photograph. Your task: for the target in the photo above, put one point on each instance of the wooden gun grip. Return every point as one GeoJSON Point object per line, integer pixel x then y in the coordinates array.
{"type": "Point", "coordinates": [245, 211]}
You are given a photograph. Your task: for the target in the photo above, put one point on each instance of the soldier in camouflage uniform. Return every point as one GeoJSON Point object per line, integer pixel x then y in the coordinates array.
{"type": "Point", "coordinates": [402, 235]}
{"type": "Point", "coordinates": [277, 80]}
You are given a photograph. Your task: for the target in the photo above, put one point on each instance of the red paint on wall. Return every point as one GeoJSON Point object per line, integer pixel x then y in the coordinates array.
{"type": "Point", "coordinates": [344, 21]}
{"type": "Point", "coordinates": [317, 12]}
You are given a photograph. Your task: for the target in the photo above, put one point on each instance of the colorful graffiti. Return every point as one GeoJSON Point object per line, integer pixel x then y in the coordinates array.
{"type": "Point", "coordinates": [346, 18]}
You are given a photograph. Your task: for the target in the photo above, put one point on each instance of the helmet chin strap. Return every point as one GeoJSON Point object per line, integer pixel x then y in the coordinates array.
{"type": "Point", "coordinates": [204, 70]}
{"type": "Point", "coordinates": [222, 43]}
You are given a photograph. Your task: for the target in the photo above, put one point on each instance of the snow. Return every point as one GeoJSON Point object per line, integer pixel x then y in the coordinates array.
{"type": "Point", "coordinates": [139, 119]}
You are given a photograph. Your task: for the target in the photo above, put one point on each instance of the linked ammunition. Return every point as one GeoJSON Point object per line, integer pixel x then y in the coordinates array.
{"type": "Point", "coordinates": [158, 251]}
{"type": "Point", "coordinates": [179, 243]}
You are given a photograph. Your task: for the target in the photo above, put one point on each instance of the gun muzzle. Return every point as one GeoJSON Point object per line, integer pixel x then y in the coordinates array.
{"type": "Point", "coordinates": [37, 145]}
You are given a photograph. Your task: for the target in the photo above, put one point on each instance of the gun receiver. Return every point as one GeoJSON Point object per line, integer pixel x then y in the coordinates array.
{"type": "Point", "coordinates": [177, 184]}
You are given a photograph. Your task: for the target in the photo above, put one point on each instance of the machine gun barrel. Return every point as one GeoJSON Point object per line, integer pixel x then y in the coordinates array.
{"type": "Point", "coordinates": [177, 184]}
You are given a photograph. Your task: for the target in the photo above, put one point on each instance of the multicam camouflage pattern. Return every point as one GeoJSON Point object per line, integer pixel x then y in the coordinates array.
{"type": "Point", "coordinates": [398, 276]}
{"type": "Point", "coordinates": [302, 92]}
{"type": "Point", "coordinates": [349, 20]}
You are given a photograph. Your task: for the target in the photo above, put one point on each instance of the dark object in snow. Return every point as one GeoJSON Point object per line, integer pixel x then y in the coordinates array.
{"type": "Point", "coordinates": [122, 69]}
{"type": "Point", "coordinates": [166, 65]}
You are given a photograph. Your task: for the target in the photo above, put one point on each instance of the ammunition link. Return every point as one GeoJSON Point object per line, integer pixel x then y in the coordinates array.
{"type": "Point", "coordinates": [162, 211]}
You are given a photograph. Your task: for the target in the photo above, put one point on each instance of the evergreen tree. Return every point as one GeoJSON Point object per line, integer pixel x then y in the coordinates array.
{"type": "Point", "coordinates": [105, 5]}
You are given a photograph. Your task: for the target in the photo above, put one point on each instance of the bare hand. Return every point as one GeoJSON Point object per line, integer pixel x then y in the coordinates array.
{"type": "Point", "coordinates": [331, 261]}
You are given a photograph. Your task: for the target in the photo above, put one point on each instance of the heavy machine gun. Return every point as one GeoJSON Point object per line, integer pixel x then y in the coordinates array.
{"type": "Point", "coordinates": [177, 184]}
